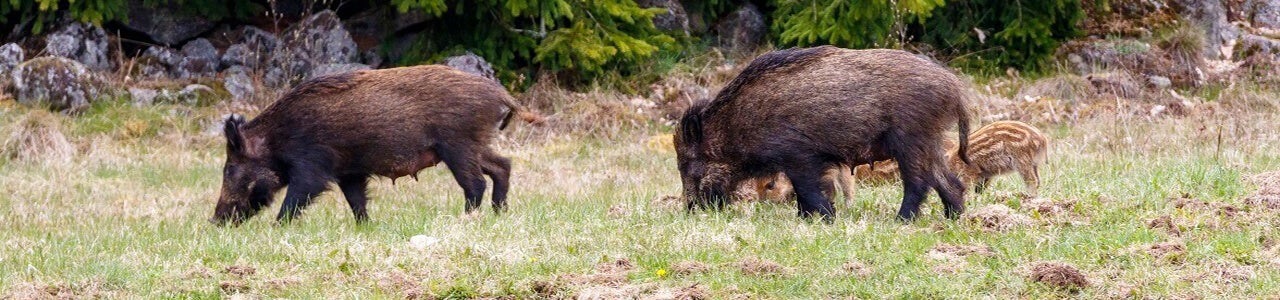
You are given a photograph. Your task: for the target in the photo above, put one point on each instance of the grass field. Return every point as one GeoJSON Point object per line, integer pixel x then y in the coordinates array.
{"type": "Point", "coordinates": [121, 214]}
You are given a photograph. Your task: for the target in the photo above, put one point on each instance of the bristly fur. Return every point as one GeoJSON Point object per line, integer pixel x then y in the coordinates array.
{"type": "Point", "coordinates": [776, 61]}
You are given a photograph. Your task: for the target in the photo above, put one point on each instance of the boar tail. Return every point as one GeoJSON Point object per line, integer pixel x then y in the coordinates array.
{"type": "Point", "coordinates": [515, 110]}
{"type": "Point", "coordinates": [963, 129]}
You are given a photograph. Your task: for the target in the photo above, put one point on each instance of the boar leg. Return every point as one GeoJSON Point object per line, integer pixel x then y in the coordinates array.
{"type": "Point", "coordinates": [808, 184]}
{"type": "Point", "coordinates": [949, 188]}
{"type": "Point", "coordinates": [464, 163]}
{"type": "Point", "coordinates": [304, 184]}
{"type": "Point", "coordinates": [981, 184]}
{"type": "Point", "coordinates": [499, 170]}
{"type": "Point", "coordinates": [1030, 178]}
{"type": "Point", "coordinates": [353, 188]}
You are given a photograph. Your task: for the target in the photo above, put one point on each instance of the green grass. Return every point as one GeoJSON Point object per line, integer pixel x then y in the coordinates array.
{"type": "Point", "coordinates": [126, 219]}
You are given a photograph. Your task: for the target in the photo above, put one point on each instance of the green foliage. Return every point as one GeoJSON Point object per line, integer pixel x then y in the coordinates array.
{"type": "Point", "coordinates": [853, 23]}
{"type": "Point", "coordinates": [998, 33]}
{"type": "Point", "coordinates": [579, 37]}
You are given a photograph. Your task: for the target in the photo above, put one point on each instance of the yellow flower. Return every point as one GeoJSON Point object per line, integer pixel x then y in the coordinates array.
{"type": "Point", "coordinates": [662, 273]}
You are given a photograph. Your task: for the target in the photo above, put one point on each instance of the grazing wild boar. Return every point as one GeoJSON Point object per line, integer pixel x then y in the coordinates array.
{"type": "Point", "coordinates": [999, 148]}
{"type": "Point", "coordinates": [804, 111]}
{"type": "Point", "coordinates": [347, 127]}
{"type": "Point", "coordinates": [776, 187]}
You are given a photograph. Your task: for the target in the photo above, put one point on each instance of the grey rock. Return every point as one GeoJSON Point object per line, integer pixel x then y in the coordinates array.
{"type": "Point", "coordinates": [238, 83]}
{"type": "Point", "coordinates": [371, 58]}
{"type": "Point", "coordinates": [322, 39]}
{"type": "Point", "coordinates": [743, 30]}
{"type": "Point", "coordinates": [330, 69]}
{"type": "Point", "coordinates": [240, 55]}
{"type": "Point", "coordinates": [258, 39]}
{"type": "Point", "coordinates": [1212, 16]}
{"type": "Point", "coordinates": [199, 59]}
{"type": "Point", "coordinates": [10, 56]}
{"type": "Point", "coordinates": [1159, 82]}
{"type": "Point", "coordinates": [59, 83]}
{"type": "Point", "coordinates": [157, 62]}
{"type": "Point", "coordinates": [1252, 44]}
{"type": "Point", "coordinates": [166, 22]}
{"type": "Point", "coordinates": [195, 94]}
{"type": "Point", "coordinates": [675, 19]}
{"type": "Point", "coordinates": [1263, 13]}
{"type": "Point", "coordinates": [86, 43]}
{"type": "Point", "coordinates": [473, 64]}
{"type": "Point", "coordinates": [142, 96]}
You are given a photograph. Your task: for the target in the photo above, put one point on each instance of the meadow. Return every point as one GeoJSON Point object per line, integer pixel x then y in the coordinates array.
{"type": "Point", "coordinates": [114, 203]}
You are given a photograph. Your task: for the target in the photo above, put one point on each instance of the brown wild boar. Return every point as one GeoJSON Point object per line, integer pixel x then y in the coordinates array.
{"type": "Point", "coordinates": [776, 187]}
{"type": "Point", "coordinates": [885, 171]}
{"type": "Point", "coordinates": [999, 148]}
{"type": "Point", "coordinates": [347, 127]}
{"type": "Point", "coordinates": [804, 111]}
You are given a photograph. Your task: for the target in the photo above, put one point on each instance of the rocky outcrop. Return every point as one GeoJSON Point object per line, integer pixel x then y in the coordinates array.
{"type": "Point", "coordinates": [330, 69]}
{"type": "Point", "coordinates": [10, 56]}
{"type": "Point", "coordinates": [1211, 15]}
{"type": "Point", "coordinates": [675, 19]}
{"type": "Point", "coordinates": [473, 64]}
{"type": "Point", "coordinates": [238, 83]}
{"type": "Point", "coordinates": [165, 21]}
{"type": "Point", "coordinates": [318, 40]}
{"type": "Point", "coordinates": [83, 42]}
{"type": "Point", "coordinates": [743, 30]}
{"type": "Point", "coordinates": [199, 59]}
{"type": "Point", "coordinates": [55, 82]}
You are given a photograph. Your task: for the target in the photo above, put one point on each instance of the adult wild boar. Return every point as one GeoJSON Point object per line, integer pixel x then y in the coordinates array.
{"type": "Point", "coordinates": [803, 111]}
{"type": "Point", "coordinates": [347, 127]}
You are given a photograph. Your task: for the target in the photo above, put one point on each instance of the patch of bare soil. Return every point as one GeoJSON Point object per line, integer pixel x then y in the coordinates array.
{"type": "Point", "coordinates": [689, 267]}
{"type": "Point", "coordinates": [239, 270]}
{"type": "Point", "coordinates": [997, 217]}
{"type": "Point", "coordinates": [198, 272]}
{"type": "Point", "coordinates": [1222, 272]}
{"type": "Point", "coordinates": [856, 269]}
{"type": "Point", "coordinates": [1174, 251]}
{"type": "Point", "coordinates": [1268, 194]}
{"type": "Point", "coordinates": [283, 282]}
{"type": "Point", "coordinates": [1058, 275]}
{"type": "Point", "coordinates": [1187, 203]}
{"type": "Point", "coordinates": [693, 292]}
{"type": "Point", "coordinates": [90, 289]}
{"type": "Point", "coordinates": [233, 286]}
{"type": "Point", "coordinates": [1049, 207]}
{"type": "Point", "coordinates": [398, 282]}
{"type": "Point", "coordinates": [619, 211]}
{"type": "Point", "coordinates": [944, 249]}
{"type": "Point", "coordinates": [1166, 223]}
{"type": "Point", "coordinates": [755, 266]}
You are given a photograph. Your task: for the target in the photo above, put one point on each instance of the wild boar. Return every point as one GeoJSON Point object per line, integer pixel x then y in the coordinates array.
{"type": "Point", "coordinates": [804, 111]}
{"type": "Point", "coordinates": [885, 171]}
{"type": "Point", "coordinates": [345, 128]}
{"type": "Point", "coordinates": [999, 148]}
{"type": "Point", "coordinates": [776, 187]}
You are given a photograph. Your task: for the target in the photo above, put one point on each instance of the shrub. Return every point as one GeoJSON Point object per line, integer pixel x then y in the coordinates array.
{"type": "Point", "coordinates": [995, 33]}
{"type": "Point", "coordinates": [851, 23]}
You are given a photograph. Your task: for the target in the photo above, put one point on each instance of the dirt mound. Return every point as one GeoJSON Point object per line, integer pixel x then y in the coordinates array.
{"type": "Point", "coordinates": [621, 265]}
{"type": "Point", "coordinates": [693, 292]}
{"type": "Point", "coordinates": [1049, 207]}
{"type": "Point", "coordinates": [234, 287]}
{"type": "Point", "coordinates": [1166, 223]}
{"type": "Point", "coordinates": [1058, 275]}
{"type": "Point", "coordinates": [856, 268]}
{"type": "Point", "coordinates": [91, 289]}
{"type": "Point", "coordinates": [1268, 194]}
{"type": "Point", "coordinates": [667, 202]}
{"type": "Point", "coordinates": [1172, 250]}
{"type": "Point", "coordinates": [997, 217]}
{"type": "Point", "coordinates": [1223, 272]}
{"type": "Point", "coordinates": [689, 267]}
{"type": "Point", "coordinates": [397, 282]}
{"type": "Point", "coordinates": [755, 266]}
{"type": "Point", "coordinates": [1186, 203]}
{"type": "Point", "coordinates": [240, 271]}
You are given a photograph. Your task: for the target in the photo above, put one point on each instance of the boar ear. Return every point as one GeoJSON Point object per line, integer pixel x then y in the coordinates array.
{"type": "Point", "coordinates": [235, 140]}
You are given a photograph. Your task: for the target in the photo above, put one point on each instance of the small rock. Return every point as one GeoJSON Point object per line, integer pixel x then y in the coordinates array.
{"type": "Point", "coordinates": [10, 56]}
{"type": "Point", "coordinates": [1159, 82]}
{"type": "Point", "coordinates": [675, 19]}
{"type": "Point", "coordinates": [83, 42]}
{"type": "Point", "coordinates": [60, 83]}
{"type": "Point", "coordinates": [1058, 275]}
{"type": "Point", "coordinates": [142, 96]}
{"type": "Point", "coordinates": [200, 59]}
{"type": "Point", "coordinates": [330, 69]}
{"type": "Point", "coordinates": [322, 39]}
{"type": "Point", "coordinates": [473, 64]}
{"type": "Point", "coordinates": [238, 83]}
